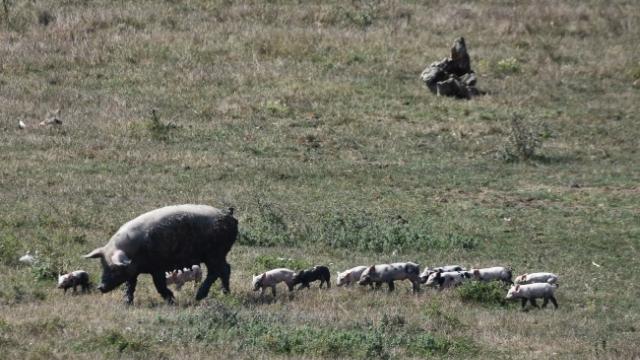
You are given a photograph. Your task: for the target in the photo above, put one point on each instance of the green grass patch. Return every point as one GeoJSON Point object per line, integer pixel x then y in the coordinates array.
{"type": "Point", "coordinates": [483, 293]}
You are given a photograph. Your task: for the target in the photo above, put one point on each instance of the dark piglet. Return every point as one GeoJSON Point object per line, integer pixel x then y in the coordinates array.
{"type": "Point", "coordinates": [316, 273]}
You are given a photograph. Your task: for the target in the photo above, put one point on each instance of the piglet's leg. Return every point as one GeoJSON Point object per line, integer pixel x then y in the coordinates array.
{"type": "Point", "coordinates": [160, 281]}
{"type": "Point", "coordinates": [524, 302]}
{"type": "Point", "coordinates": [534, 303]}
{"type": "Point", "coordinates": [130, 288]}
{"type": "Point", "coordinates": [545, 302]}
{"type": "Point", "coordinates": [391, 286]}
{"type": "Point", "coordinates": [273, 290]}
{"type": "Point", "coordinates": [553, 301]}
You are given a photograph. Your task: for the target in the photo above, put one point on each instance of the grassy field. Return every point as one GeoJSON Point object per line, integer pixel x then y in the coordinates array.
{"type": "Point", "coordinates": [311, 120]}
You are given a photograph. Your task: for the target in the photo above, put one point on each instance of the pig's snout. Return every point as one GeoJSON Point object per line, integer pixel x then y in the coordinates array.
{"type": "Point", "coordinates": [102, 288]}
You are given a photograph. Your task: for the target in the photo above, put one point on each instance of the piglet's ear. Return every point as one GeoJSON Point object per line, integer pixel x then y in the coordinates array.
{"type": "Point", "coordinates": [372, 268]}
{"type": "Point", "coordinates": [95, 253]}
{"type": "Point", "coordinates": [517, 287]}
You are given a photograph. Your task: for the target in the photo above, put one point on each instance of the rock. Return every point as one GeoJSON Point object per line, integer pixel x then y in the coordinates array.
{"type": "Point", "coordinates": [452, 76]}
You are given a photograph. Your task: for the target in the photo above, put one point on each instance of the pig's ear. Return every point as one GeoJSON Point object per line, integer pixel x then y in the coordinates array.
{"type": "Point", "coordinates": [98, 252]}
{"type": "Point", "coordinates": [372, 268]}
{"type": "Point", "coordinates": [119, 258]}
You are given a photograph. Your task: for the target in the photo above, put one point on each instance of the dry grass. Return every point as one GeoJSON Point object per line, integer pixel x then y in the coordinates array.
{"type": "Point", "coordinates": [305, 117]}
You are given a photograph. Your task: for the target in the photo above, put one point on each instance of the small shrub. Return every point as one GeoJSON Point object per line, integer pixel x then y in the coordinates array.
{"type": "Point", "coordinates": [44, 269]}
{"type": "Point", "coordinates": [634, 72]}
{"type": "Point", "coordinates": [277, 108]}
{"type": "Point", "coordinates": [158, 129]}
{"type": "Point", "coordinates": [508, 66]}
{"type": "Point", "coordinates": [5, 7]}
{"type": "Point", "coordinates": [486, 293]}
{"type": "Point", "coordinates": [523, 140]}
{"type": "Point", "coordinates": [9, 249]}
{"type": "Point", "coordinates": [45, 18]}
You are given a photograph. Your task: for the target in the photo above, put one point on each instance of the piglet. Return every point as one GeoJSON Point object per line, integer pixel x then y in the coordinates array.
{"type": "Point", "coordinates": [532, 292]}
{"type": "Point", "coordinates": [539, 277]}
{"type": "Point", "coordinates": [180, 277]}
{"type": "Point", "coordinates": [350, 276]}
{"type": "Point", "coordinates": [447, 279]}
{"type": "Point", "coordinates": [389, 273]}
{"type": "Point", "coordinates": [318, 272]}
{"type": "Point", "coordinates": [447, 268]}
{"type": "Point", "coordinates": [73, 279]}
{"type": "Point", "coordinates": [493, 273]}
{"type": "Point", "coordinates": [271, 278]}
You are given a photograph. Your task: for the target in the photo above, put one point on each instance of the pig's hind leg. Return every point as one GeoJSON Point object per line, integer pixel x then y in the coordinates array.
{"type": "Point", "coordinates": [212, 274]}
{"type": "Point", "coordinates": [553, 301]}
{"type": "Point", "coordinates": [225, 275]}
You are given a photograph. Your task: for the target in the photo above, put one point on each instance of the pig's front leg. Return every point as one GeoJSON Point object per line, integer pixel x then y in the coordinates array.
{"type": "Point", "coordinates": [130, 288]}
{"type": "Point", "coordinates": [160, 281]}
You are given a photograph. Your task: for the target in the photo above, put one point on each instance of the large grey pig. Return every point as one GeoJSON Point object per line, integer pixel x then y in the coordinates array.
{"type": "Point", "coordinates": [168, 238]}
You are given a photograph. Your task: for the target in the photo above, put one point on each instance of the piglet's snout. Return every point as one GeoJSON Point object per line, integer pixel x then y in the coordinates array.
{"type": "Point", "coordinates": [102, 288]}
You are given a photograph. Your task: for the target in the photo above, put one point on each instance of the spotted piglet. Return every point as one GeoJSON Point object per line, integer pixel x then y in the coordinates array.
{"type": "Point", "coordinates": [350, 276]}
{"type": "Point", "coordinates": [73, 279]}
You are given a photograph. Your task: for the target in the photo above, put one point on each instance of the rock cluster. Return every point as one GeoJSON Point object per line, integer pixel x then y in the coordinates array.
{"type": "Point", "coordinates": [453, 75]}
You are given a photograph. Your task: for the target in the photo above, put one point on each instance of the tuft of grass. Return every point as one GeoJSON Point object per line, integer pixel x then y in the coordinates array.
{"type": "Point", "coordinates": [160, 130]}
{"type": "Point", "coordinates": [45, 17]}
{"type": "Point", "coordinates": [10, 248]}
{"type": "Point", "coordinates": [483, 293]}
{"type": "Point", "coordinates": [263, 263]}
{"type": "Point", "coordinates": [508, 66]}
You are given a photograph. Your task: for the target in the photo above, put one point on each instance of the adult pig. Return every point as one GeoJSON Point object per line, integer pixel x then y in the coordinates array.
{"type": "Point", "coordinates": [168, 238]}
